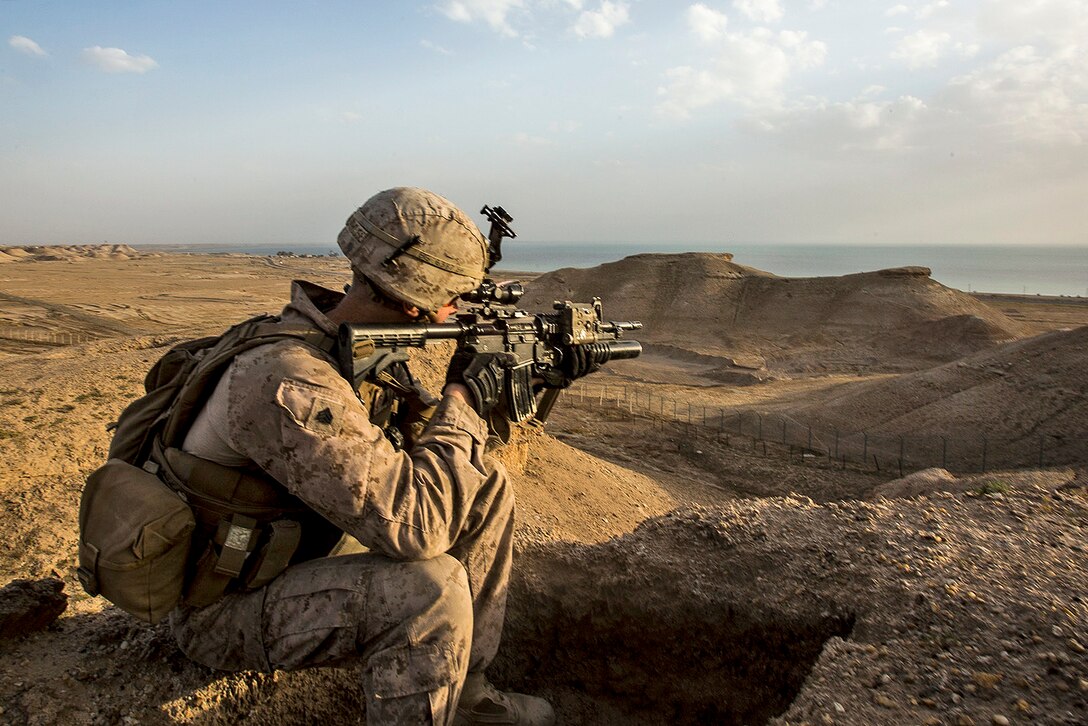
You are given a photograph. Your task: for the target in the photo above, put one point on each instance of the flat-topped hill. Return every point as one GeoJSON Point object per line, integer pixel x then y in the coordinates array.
{"type": "Point", "coordinates": [892, 320]}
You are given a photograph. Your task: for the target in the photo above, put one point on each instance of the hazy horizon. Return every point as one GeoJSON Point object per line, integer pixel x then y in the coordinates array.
{"type": "Point", "coordinates": [770, 121]}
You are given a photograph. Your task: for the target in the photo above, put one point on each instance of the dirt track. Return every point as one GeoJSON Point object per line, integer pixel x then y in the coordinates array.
{"type": "Point", "coordinates": [778, 591]}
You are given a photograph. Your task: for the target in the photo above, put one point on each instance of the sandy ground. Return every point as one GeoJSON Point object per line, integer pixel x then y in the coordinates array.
{"type": "Point", "coordinates": [665, 574]}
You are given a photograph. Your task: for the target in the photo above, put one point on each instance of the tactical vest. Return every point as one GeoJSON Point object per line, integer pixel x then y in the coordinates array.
{"type": "Point", "coordinates": [237, 528]}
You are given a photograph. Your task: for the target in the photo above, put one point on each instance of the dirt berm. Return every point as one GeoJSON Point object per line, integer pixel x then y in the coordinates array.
{"type": "Point", "coordinates": [1017, 393]}
{"type": "Point", "coordinates": [891, 320]}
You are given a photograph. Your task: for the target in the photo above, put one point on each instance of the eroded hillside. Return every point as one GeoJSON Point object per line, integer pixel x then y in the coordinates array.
{"type": "Point", "coordinates": [890, 320]}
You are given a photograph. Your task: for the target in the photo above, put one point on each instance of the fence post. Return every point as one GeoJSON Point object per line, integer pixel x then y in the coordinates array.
{"type": "Point", "coordinates": [704, 416]}
{"type": "Point", "coordinates": [809, 437]}
{"type": "Point", "coordinates": [759, 418]}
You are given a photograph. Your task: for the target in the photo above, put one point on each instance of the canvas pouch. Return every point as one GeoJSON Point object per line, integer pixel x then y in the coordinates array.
{"type": "Point", "coordinates": [135, 535]}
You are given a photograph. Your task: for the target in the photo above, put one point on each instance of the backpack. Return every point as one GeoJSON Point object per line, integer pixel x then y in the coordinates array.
{"type": "Point", "coordinates": [151, 506]}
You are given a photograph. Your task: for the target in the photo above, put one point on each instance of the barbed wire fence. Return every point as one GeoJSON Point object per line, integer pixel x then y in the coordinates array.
{"type": "Point", "coordinates": [972, 452]}
{"type": "Point", "coordinates": [44, 337]}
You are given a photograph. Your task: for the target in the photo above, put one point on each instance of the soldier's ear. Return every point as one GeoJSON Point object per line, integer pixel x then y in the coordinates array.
{"type": "Point", "coordinates": [410, 310]}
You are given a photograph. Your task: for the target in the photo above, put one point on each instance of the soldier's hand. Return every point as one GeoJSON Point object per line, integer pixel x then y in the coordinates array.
{"type": "Point", "coordinates": [483, 374]}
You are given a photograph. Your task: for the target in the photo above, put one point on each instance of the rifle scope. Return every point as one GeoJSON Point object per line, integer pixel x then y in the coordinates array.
{"type": "Point", "coordinates": [491, 292]}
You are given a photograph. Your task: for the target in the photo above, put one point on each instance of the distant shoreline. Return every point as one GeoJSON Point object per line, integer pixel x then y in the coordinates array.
{"type": "Point", "coordinates": [995, 271]}
{"type": "Point", "coordinates": [1046, 270]}
{"type": "Point", "coordinates": [992, 297]}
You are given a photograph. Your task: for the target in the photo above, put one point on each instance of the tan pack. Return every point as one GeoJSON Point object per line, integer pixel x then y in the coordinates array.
{"type": "Point", "coordinates": [135, 534]}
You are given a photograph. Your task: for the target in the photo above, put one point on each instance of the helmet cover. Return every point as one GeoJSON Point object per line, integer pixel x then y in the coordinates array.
{"type": "Point", "coordinates": [415, 246]}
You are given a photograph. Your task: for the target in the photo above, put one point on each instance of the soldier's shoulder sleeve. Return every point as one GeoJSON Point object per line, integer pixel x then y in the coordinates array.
{"type": "Point", "coordinates": [287, 388]}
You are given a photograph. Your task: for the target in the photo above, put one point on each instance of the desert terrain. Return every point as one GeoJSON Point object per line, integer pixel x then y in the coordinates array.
{"type": "Point", "coordinates": [673, 567]}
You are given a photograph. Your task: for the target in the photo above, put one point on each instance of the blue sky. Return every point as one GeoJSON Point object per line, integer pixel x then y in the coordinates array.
{"type": "Point", "coordinates": [750, 121]}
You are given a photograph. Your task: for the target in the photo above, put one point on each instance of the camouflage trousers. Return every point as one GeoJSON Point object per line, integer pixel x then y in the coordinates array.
{"type": "Point", "coordinates": [418, 626]}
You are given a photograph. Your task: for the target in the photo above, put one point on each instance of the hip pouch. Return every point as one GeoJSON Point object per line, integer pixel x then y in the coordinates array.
{"type": "Point", "coordinates": [134, 540]}
{"type": "Point", "coordinates": [249, 529]}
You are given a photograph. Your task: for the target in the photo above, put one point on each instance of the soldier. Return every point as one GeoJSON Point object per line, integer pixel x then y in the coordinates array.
{"type": "Point", "coordinates": [423, 608]}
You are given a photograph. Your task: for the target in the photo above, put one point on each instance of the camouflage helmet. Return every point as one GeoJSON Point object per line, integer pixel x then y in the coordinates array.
{"type": "Point", "coordinates": [415, 246]}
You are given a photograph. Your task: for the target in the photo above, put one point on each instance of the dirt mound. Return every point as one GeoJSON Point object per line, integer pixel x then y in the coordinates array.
{"type": "Point", "coordinates": [55, 253]}
{"type": "Point", "coordinates": [929, 481]}
{"type": "Point", "coordinates": [1016, 393]}
{"type": "Point", "coordinates": [889, 320]}
{"type": "Point", "coordinates": [923, 611]}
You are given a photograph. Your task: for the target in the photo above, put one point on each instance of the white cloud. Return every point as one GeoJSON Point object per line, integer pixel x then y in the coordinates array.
{"type": "Point", "coordinates": [602, 23]}
{"type": "Point", "coordinates": [861, 124]}
{"type": "Point", "coordinates": [351, 117]}
{"type": "Point", "coordinates": [760, 11]}
{"type": "Point", "coordinates": [568, 127]}
{"type": "Point", "coordinates": [25, 45]}
{"type": "Point", "coordinates": [523, 139]}
{"type": "Point", "coordinates": [1025, 103]}
{"type": "Point", "coordinates": [1026, 96]}
{"type": "Point", "coordinates": [1039, 21]}
{"type": "Point", "coordinates": [751, 69]}
{"type": "Point", "coordinates": [706, 23]}
{"type": "Point", "coordinates": [492, 12]}
{"type": "Point", "coordinates": [968, 50]}
{"type": "Point", "coordinates": [115, 60]}
{"type": "Point", "coordinates": [435, 47]}
{"type": "Point", "coordinates": [922, 48]}
{"type": "Point", "coordinates": [930, 9]}
{"type": "Point", "coordinates": [896, 10]}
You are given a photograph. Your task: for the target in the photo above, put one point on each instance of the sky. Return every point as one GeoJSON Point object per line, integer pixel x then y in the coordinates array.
{"type": "Point", "coordinates": [751, 121]}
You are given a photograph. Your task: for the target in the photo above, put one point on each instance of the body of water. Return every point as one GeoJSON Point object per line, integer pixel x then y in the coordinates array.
{"type": "Point", "coordinates": [1019, 270]}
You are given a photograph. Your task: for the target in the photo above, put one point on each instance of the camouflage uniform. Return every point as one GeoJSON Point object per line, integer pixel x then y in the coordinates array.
{"type": "Point", "coordinates": [426, 604]}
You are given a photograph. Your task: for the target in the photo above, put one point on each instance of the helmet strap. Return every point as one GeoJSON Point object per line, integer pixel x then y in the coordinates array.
{"type": "Point", "coordinates": [383, 298]}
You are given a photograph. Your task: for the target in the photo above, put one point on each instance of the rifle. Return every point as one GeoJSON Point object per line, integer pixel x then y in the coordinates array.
{"type": "Point", "coordinates": [536, 344]}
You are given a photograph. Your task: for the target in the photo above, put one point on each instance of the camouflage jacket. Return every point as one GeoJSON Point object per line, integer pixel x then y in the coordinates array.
{"type": "Point", "coordinates": [285, 408]}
